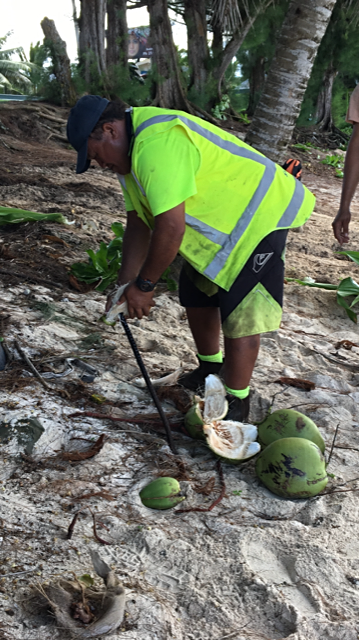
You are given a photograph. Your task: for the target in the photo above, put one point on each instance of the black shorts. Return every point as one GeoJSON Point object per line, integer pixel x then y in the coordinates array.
{"type": "Point", "coordinates": [254, 302]}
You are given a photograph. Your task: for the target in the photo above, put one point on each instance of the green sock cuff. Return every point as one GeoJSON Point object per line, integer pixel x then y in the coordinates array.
{"type": "Point", "coordinates": [217, 357]}
{"type": "Point", "coordinates": [238, 393]}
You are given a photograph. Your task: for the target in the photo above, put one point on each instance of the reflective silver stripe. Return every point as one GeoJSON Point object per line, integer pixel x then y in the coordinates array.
{"type": "Point", "coordinates": [122, 181]}
{"type": "Point", "coordinates": [292, 209]}
{"type": "Point", "coordinates": [227, 145]}
{"type": "Point", "coordinates": [138, 184]}
{"type": "Point", "coordinates": [244, 221]}
{"type": "Point", "coordinates": [228, 241]}
{"type": "Point", "coordinates": [208, 232]}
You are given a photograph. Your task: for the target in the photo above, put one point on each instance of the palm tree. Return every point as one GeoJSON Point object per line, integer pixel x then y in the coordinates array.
{"type": "Point", "coordinates": [13, 72]}
{"type": "Point", "coordinates": [278, 109]}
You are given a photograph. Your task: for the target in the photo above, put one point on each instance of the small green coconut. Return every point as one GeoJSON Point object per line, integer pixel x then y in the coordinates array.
{"type": "Point", "coordinates": [292, 468]}
{"type": "Point", "coordinates": [287, 423]}
{"type": "Point", "coordinates": [193, 420]}
{"type": "Point", "coordinates": [161, 494]}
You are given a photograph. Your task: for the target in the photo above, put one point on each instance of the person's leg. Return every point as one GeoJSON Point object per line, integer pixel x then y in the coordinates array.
{"type": "Point", "coordinates": [241, 356]}
{"type": "Point", "coordinates": [205, 325]}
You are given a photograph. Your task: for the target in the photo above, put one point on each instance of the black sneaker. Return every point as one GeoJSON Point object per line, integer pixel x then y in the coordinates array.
{"type": "Point", "coordinates": [238, 409]}
{"type": "Point", "coordinates": [194, 380]}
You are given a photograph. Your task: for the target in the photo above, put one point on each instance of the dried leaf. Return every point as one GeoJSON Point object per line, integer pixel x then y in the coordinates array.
{"type": "Point", "coordinates": [55, 239]}
{"type": "Point", "coordinates": [306, 385]}
{"type": "Point", "coordinates": [346, 344]}
{"type": "Point", "coordinates": [77, 456]}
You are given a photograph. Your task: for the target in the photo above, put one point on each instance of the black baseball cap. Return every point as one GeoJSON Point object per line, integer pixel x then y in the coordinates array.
{"type": "Point", "coordinates": [81, 122]}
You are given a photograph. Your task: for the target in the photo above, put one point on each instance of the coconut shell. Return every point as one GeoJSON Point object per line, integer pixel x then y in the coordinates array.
{"type": "Point", "coordinates": [287, 423]}
{"type": "Point", "coordinates": [161, 494]}
{"type": "Point", "coordinates": [292, 468]}
{"type": "Point", "coordinates": [193, 422]}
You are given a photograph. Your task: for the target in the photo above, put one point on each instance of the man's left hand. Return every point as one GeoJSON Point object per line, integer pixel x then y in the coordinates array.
{"type": "Point", "coordinates": [139, 303]}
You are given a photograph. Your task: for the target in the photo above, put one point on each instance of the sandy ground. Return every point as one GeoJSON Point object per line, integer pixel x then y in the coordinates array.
{"type": "Point", "coordinates": [256, 566]}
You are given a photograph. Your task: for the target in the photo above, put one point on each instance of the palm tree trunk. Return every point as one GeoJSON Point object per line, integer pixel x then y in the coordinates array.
{"type": "Point", "coordinates": [256, 83]}
{"type": "Point", "coordinates": [274, 119]}
{"type": "Point", "coordinates": [61, 62]}
{"type": "Point", "coordinates": [198, 55]}
{"type": "Point", "coordinates": [169, 90]}
{"type": "Point", "coordinates": [92, 37]}
{"type": "Point", "coordinates": [117, 33]}
{"type": "Point", "coordinates": [324, 117]}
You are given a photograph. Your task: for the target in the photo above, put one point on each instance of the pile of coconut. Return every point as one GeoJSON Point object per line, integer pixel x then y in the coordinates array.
{"type": "Point", "coordinates": [288, 446]}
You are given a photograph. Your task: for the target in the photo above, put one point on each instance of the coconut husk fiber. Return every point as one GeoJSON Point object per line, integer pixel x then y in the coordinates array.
{"type": "Point", "coordinates": [105, 605]}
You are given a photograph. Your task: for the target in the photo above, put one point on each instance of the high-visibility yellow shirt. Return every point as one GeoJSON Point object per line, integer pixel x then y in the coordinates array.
{"type": "Point", "coordinates": [234, 196]}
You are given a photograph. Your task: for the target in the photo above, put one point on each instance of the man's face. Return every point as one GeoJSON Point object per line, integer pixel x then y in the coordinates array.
{"type": "Point", "coordinates": [111, 151]}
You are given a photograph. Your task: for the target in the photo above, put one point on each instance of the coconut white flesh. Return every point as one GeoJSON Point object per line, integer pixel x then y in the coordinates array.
{"type": "Point", "coordinates": [215, 403]}
{"type": "Point", "coordinates": [232, 440]}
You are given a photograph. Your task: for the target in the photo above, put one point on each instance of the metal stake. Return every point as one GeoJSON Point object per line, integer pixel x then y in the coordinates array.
{"type": "Point", "coordinates": [148, 382]}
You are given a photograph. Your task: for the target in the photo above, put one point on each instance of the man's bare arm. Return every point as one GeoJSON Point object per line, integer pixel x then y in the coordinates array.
{"type": "Point", "coordinates": [350, 183]}
{"type": "Point", "coordinates": [136, 241]}
{"type": "Point", "coordinates": [165, 242]}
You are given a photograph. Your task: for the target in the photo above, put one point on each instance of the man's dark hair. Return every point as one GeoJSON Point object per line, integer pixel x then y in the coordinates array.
{"type": "Point", "coordinates": [115, 110]}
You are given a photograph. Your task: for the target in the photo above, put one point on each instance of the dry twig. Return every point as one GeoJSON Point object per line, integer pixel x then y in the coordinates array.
{"type": "Point", "coordinates": [217, 500]}
{"type": "Point", "coordinates": [32, 367]}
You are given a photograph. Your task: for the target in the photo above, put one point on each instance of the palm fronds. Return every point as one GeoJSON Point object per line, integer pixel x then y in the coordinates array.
{"type": "Point", "coordinates": [14, 74]}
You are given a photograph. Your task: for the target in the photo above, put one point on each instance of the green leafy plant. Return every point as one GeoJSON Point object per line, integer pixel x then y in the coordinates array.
{"type": "Point", "coordinates": [236, 493]}
{"type": "Point", "coordinates": [171, 283]}
{"type": "Point", "coordinates": [220, 108]}
{"type": "Point", "coordinates": [302, 147]}
{"type": "Point", "coordinates": [104, 264]}
{"type": "Point", "coordinates": [346, 288]}
{"type": "Point", "coordinates": [353, 255]}
{"type": "Point", "coordinates": [339, 173]}
{"type": "Point", "coordinates": [333, 161]}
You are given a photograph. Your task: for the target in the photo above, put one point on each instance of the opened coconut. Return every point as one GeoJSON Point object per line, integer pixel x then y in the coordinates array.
{"type": "Point", "coordinates": [232, 441]}
{"type": "Point", "coordinates": [292, 468]}
{"type": "Point", "coordinates": [287, 423]}
{"type": "Point", "coordinates": [213, 406]}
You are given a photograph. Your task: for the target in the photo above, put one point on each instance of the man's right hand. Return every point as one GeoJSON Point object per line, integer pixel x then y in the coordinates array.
{"type": "Point", "coordinates": [341, 225]}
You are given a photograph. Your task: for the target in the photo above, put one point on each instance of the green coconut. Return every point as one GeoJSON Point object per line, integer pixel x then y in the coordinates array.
{"type": "Point", "coordinates": [161, 494]}
{"type": "Point", "coordinates": [193, 421]}
{"type": "Point", "coordinates": [287, 423]}
{"type": "Point", "coordinates": [292, 468]}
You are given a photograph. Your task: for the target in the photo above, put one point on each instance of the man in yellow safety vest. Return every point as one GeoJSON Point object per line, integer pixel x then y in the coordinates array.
{"type": "Point", "coordinates": [194, 189]}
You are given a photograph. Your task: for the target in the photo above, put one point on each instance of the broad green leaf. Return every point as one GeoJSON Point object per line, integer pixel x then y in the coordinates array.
{"type": "Point", "coordinates": [348, 287]}
{"type": "Point", "coordinates": [355, 301]}
{"type": "Point", "coordinates": [343, 303]}
{"type": "Point", "coordinates": [118, 229]}
{"type": "Point", "coordinates": [316, 285]}
{"type": "Point", "coordinates": [353, 255]}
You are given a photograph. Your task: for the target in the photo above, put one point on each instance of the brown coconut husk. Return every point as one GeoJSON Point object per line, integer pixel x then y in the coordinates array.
{"type": "Point", "coordinates": [103, 606]}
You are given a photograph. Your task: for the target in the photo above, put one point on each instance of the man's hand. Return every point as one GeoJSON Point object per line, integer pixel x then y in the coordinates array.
{"type": "Point", "coordinates": [139, 303]}
{"type": "Point", "coordinates": [341, 225]}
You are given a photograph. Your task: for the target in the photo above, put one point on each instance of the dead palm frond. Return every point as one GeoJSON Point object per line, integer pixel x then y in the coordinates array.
{"type": "Point", "coordinates": [227, 15]}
